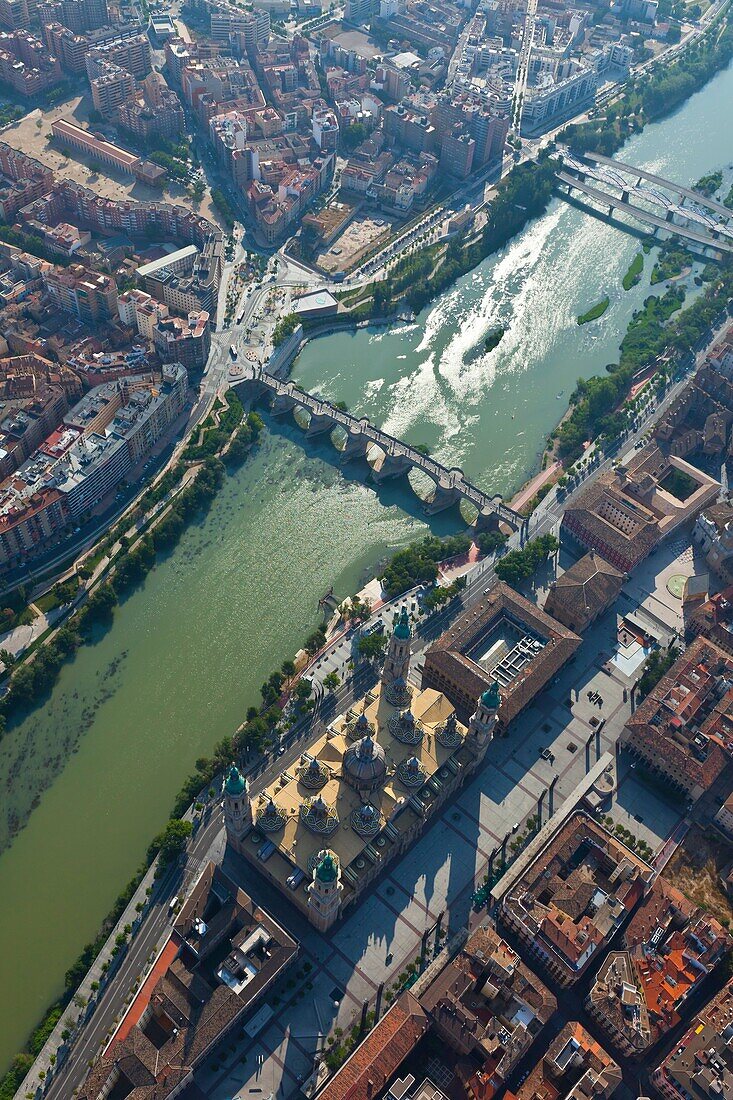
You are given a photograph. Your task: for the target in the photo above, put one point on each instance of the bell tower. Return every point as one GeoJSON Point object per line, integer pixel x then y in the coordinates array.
{"type": "Point", "coordinates": [397, 661]}
{"type": "Point", "coordinates": [237, 807]}
{"type": "Point", "coordinates": [483, 721]}
{"type": "Point", "coordinates": [324, 892]}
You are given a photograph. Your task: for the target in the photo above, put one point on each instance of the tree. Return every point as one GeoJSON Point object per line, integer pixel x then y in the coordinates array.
{"type": "Point", "coordinates": [7, 658]}
{"type": "Point", "coordinates": [304, 690]}
{"type": "Point", "coordinates": [489, 541]}
{"type": "Point", "coordinates": [288, 669]}
{"type": "Point", "coordinates": [371, 646]}
{"type": "Point", "coordinates": [315, 641]}
{"type": "Point", "coordinates": [172, 841]}
{"type": "Point", "coordinates": [355, 610]}
{"type": "Point", "coordinates": [331, 681]}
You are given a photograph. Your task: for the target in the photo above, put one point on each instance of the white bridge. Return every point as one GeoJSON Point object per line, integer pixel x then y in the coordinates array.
{"type": "Point", "coordinates": [648, 198]}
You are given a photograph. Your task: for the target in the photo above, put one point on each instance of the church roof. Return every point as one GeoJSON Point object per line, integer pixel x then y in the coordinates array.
{"type": "Point", "coordinates": [365, 759]}
{"type": "Point", "coordinates": [402, 628]}
{"type": "Point", "coordinates": [235, 783]}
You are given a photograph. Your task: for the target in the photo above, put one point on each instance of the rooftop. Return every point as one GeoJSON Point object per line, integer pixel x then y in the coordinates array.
{"type": "Point", "coordinates": [584, 591]}
{"type": "Point", "coordinates": [503, 636]}
{"type": "Point", "coordinates": [227, 953]}
{"type": "Point", "coordinates": [687, 718]}
{"type": "Point", "coordinates": [574, 895]}
{"type": "Point", "coordinates": [354, 788]}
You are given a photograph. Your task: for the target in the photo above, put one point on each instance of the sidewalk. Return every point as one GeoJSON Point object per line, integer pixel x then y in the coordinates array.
{"type": "Point", "coordinates": [524, 495]}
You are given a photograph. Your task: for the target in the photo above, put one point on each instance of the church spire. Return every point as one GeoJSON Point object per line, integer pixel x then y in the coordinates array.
{"type": "Point", "coordinates": [397, 661]}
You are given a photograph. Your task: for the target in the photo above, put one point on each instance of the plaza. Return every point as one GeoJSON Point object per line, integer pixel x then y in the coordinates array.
{"type": "Point", "coordinates": [382, 935]}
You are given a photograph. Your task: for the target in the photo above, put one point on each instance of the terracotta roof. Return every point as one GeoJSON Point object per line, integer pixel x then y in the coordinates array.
{"type": "Point", "coordinates": [364, 1075]}
{"type": "Point", "coordinates": [191, 1007]}
{"type": "Point", "coordinates": [582, 593]}
{"type": "Point", "coordinates": [449, 669]}
{"type": "Point", "coordinates": [685, 722]}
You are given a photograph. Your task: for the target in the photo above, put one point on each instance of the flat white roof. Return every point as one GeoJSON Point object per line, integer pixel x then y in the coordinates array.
{"type": "Point", "coordinates": [166, 261]}
{"type": "Point", "coordinates": [318, 299]}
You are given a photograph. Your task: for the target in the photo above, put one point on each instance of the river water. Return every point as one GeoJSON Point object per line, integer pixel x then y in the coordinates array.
{"type": "Point", "coordinates": [87, 779]}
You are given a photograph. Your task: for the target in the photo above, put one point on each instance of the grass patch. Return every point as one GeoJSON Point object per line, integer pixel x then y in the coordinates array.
{"type": "Point", "coordinates": [632, 276]}
{"type": "Point", "coordinates": [594, 312]}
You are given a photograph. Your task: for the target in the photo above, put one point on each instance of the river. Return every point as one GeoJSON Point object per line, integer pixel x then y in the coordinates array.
{"type": "Point", "coordinates": [88, 778]}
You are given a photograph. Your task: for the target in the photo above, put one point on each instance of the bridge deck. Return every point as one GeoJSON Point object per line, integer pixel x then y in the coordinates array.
{"type": "Point", "coordinates": [392, 447]}
{"type": "Point", "coordinates": [641, 173]}
{"type": "Point", "coordinates": [644, 215]}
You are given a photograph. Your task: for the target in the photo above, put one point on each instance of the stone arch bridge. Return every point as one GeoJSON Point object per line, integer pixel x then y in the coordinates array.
{"type": "Point", "coordinates": [451, 487]}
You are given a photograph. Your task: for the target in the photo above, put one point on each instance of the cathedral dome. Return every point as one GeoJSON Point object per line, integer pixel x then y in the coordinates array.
{"type": "Point", "coordinates": [327, 869]}
{"type": "Point", "coordinates": [365, 762]}
{"type": "Point", "coordinates": [491, 697]}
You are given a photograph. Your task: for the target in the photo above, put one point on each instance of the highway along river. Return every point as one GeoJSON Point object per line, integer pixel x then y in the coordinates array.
{"type": "Point", "coordinates": [88, 779]}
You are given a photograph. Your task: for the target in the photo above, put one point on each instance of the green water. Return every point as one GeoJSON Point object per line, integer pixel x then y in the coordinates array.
{"type": "Point", "coordinates": [89, 778]}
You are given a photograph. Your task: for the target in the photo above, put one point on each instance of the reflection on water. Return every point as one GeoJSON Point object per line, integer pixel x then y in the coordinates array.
{"type": "Point", "coordinates": [99, 765]}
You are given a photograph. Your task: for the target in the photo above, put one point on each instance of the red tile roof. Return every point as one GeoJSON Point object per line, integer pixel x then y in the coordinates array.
{"type": "Point", "coordinates": [367, 1071]}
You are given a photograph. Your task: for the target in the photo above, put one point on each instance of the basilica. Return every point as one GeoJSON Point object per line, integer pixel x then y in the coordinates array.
{"type": "Point", "coordinates": [362, 792]}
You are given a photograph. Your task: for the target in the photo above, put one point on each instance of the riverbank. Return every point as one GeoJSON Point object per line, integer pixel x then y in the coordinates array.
{"type": "Point", "coordinates": [191, 645]}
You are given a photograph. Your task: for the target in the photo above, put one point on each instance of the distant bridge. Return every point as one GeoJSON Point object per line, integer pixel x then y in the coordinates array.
{"type": "Point", "coordinates": [618, 186]}
{"type": "Point", "coordinates": [396, 458]}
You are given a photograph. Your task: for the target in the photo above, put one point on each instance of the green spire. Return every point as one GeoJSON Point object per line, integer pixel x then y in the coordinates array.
{"type": "Point", "coordinates": [327, 869]}
{"type": "Point", "coordinates": [402, 626]}
{"type": "Point", "coordinates": [234, 783]}
{"type": "Point", "coordinates": [491, 697]}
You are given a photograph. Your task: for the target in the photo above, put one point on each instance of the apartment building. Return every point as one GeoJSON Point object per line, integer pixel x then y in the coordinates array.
{"type": "Point", "coordinates": [27, 528]}
{"type": "Point", "coordinates": [22, 179]}
{"type": "Point", "coordinates": [185, 341]}
{"type": "Point", "coordinates": [25, 66]}
{"type": "Point", "coordinates": [153, 110]}
{"type": "Point", "coordinates": [78, 15]}
{"type": "Point", "coordinates": [90, 296]}
{"type": "Point", "coordinates": [15, 14]}
{"type": "Point", "coordinates": [129, 52]}
{"type": "Point", "coordinates": [111, 87]}
{"type": "Point", "coordinates": [141, 311]}
{"type": "Point", "coordinates": [250, 29]}
{"type": "Point", "coordinates": [683, 730]}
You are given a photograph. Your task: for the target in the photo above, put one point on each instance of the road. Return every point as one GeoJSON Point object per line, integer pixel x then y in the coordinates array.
{"type": "Point", "coordinates": [337, 657]}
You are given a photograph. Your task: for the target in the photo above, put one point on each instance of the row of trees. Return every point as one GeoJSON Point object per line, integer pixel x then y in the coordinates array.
{"type": "Point", "coordinates": [418, 562]}
{"type": "Point", "coordinates": [520, 565]}
{"type": "Point", "coordinates": [417, 279]}
{"type": "Point", "coordinates": [653, 95]}
{"type": "Point", "coordinates": [285, 327]}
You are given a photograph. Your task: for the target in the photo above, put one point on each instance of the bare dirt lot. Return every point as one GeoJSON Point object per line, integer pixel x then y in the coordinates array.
{"type": "Point", "coordinates": [695, 870]}
{"type": "Point", "coordinates": [362, 233]}
{"type": "Point", "coordinates": [32, 135]}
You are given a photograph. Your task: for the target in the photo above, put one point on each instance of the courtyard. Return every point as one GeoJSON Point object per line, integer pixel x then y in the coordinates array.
{"type": "Point", "coordinates": [561, 735]}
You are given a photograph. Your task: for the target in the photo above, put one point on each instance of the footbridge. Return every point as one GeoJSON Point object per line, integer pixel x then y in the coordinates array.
{"type": "Point", "coordinates": [394, 458]}
{"type": "Point", "coordinates": [649, 199]}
